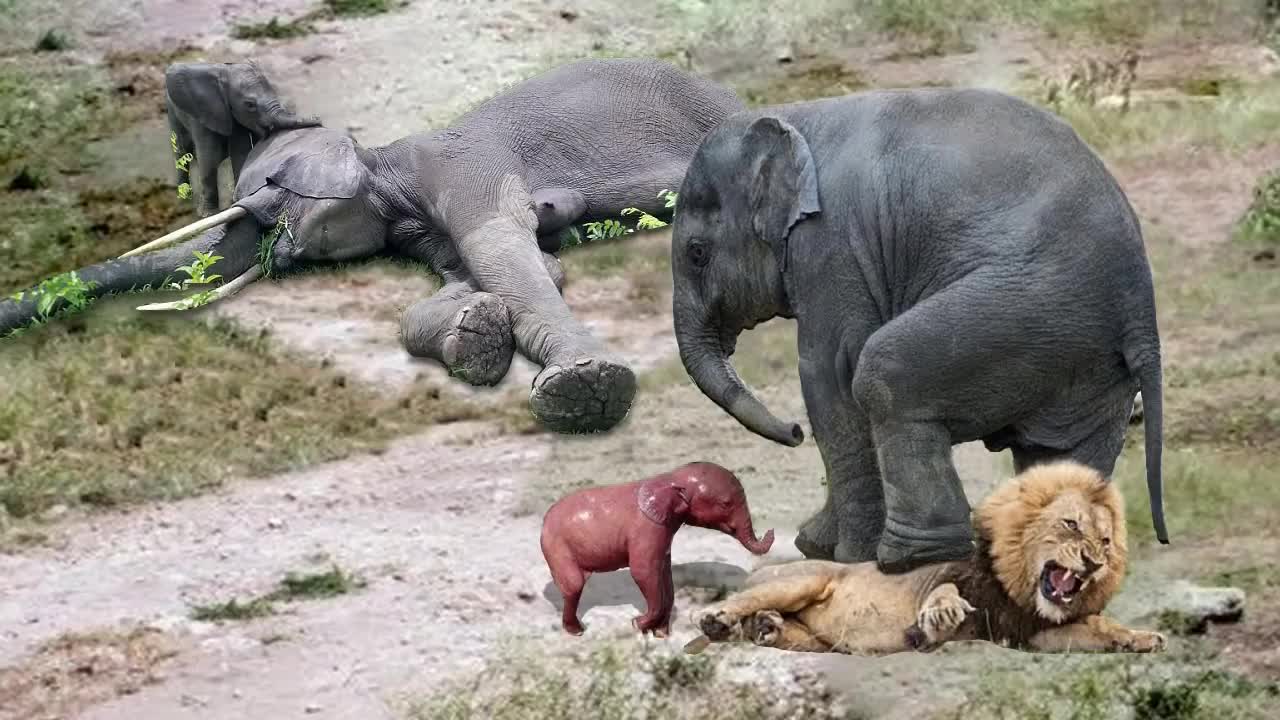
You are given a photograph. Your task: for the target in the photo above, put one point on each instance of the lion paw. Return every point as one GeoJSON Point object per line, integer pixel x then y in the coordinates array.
{"type": "Point", "coordinates": [717, 625]}
{"type": "Point", "coordinates": [765, 628]}
{"type": "Point", "coordinates": [1142, 641]}
{"type": "Point", "coordinates": [942, 616]}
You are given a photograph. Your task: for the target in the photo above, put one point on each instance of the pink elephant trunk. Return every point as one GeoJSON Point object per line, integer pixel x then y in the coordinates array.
{"type": "Point", "coordinates": [746, 535]}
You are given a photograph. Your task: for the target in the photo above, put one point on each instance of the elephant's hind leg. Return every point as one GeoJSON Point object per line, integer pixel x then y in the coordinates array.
{"type": "Point", "coordinates": [468, 331]}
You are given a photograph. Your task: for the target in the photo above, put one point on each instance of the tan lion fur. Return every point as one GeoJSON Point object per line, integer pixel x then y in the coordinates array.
{"type": "Point", "coordinates": [1062, 512]}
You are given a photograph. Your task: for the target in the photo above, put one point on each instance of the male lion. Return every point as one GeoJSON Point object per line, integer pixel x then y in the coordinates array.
{"type": "Point", "coordinates": [1051, 552]}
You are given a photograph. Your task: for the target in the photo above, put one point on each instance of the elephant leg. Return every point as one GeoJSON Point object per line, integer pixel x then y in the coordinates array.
{"type": "Point", "coordinates": [848, 527]}
{"type": "Point", "coordinates": [955, 365]}
{"type": "Point", "coordinates": [582, 387]}
{"type": "Point", "coordinates": [467, 331]}
{"type": "Point", "coordinates": [555, 270]}
{"type": "Point", "coordinates": [238, 147]}
{"type": "Point", "coordinates": [648, 575]}
{"type": "Point", "coordinates": [211, 150]}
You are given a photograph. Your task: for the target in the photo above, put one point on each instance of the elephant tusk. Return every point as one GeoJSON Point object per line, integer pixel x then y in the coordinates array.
{"type": "Point", "coordinates": [227, 290]}
{"type": "Point", "coordinates": [195, 228]}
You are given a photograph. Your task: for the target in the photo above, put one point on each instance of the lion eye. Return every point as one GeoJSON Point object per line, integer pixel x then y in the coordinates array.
{"type": "Point", "coordinates": [1072, 525]}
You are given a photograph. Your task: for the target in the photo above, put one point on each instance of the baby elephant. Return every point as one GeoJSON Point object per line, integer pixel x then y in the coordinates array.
{"type": "Point", "coordinates": [631, 525]}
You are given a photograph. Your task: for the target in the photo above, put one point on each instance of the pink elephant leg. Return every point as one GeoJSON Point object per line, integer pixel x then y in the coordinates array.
{"type": "Point", "coordinates": [649, 578]}
{"type": "Point", "coordinates": [570, 579]}
{"type": "Point", "coordinates": [662, 626]}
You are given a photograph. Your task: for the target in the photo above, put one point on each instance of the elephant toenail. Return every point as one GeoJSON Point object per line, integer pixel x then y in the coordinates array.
{"type": "Point", "coordinates": [583, 361]}
{"type": "Point", "coordinates": [451, 349]}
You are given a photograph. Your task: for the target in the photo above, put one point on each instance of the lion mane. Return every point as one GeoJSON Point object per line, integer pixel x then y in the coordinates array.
{"type": "Point", "coordinates": [1023, 523]}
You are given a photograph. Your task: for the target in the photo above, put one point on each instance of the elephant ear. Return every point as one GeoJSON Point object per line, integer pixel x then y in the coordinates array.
{"type": "Point", "coordinates": [315, 162]}
{"type": "Point", "coordinates": [662, 501]}
{"type": "Point", "coordinates": [199, 90]}
{"type": "Point", "coordinates": [784, 185]}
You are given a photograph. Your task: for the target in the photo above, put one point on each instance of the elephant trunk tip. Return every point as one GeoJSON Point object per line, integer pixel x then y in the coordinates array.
{"type": "Point", "coordinates": [765, 543]}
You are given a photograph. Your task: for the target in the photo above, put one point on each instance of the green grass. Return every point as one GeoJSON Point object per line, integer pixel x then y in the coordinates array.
{"type": "Point", "coordinates": [360, 8]}
{"type": "Point", "coordinates": [803, 82]}
{"type": "Point", "coordinates": [1261, 223]}
{"type": "Point", "coordinates": [47, 113]}
{"type": "Point", "coordinates": [53, 41]}
{"type": "Point", "coordinates": [1250, 578]}
{"type": "Point", "coordinates": [115, 407]}
{"type": "Point", "coordinates": [1101, 689]}
{"type": "Point", "coordinates": [233, 610]}
{"type": "Point", "coordinates": [1240, 118]}
{"type": "Point", "coordinates": [294, 587]}
{"type": "Point", "coordinates": [601, 684]}
{"type": "Point", "coordinates": [1209, 493]}
{"type": "Point", "coordinates": [273, 29]}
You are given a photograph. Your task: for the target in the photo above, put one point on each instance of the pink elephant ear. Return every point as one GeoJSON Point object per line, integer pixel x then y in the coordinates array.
{"type": "Point", "coordinates": [662, 501]}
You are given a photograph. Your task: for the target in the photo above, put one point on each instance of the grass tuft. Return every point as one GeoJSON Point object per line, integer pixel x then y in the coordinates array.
{"type": "Point", "coordinates": [273, 29]}
{"type": "Point", "coordinates": [294, 587]}
{"type": "Point", "coordinates": [359, 8]}
{"type": "Point", "coordinates": [609, 683]}
{"type": "Point", "coordinates": [53, 40]}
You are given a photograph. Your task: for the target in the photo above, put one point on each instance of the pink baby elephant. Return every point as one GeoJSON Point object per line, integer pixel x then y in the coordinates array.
{"type": "Point", "coordinates": [631, 525]}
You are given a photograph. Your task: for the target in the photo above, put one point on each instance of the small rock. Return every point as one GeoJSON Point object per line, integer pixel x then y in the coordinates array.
{"type": "Point", "coordinates": [568, 15]}
{"type": "Point", "coordinates": [1264, 255]}
{"type": "Point", "coordinates": [784, 55]}
{"type": "Point", "coordinates": [290, 496]}
{"type": "Point", "coordinates": [313, 709]}
{"type": "Point", "coordinates": [275, 523]}
{"type": "Point", "coordinates": [1197, 606]}
{"type": "Point", "coordinates": [55, 512]}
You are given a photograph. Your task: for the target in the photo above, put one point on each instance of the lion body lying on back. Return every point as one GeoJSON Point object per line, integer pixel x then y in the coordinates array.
{"type": "Point", "coordinates": [1051, 553]}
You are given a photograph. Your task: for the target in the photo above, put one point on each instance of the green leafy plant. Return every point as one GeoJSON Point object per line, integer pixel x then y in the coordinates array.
{"type": "Point", "coordinates": [610, 228]}
{"type": "Point", "coordinates": [183, 162]}
{"type": "Point", "coordinates": [184, 191]}
{"type": "Point", "coordinates": [267, 243]}
{"type": "Point", "coordinates": [197, 274]}
{"type": "Point", "coordinates": [1261, 222]}
{"type": "Point", "coordinates": [66, 287]}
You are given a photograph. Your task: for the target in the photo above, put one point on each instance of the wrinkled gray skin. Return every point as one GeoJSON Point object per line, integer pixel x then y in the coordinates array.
{"type": "Point", "coordinates": [960, 266]}
{"type": "Point", "coordinates": [466, 200]}
{"type": "Point", "coordinates": [219, 110]}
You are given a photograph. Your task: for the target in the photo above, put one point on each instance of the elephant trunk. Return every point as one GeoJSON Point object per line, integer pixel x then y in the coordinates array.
{"type": "Point", "coordinates": [702, 350]}
{"type": "Point", "coordinates": [237, 243]}
{"type": "Point", "coordinates": [281, 118]}
{"type": "Point", "coordinates": [744, 534]}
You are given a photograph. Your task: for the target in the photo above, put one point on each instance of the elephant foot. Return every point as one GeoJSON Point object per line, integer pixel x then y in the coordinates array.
{"type": "Point", "coordinates": [904, 548]}
{"type": "Point", "coordinates": [817, 537]}
{"type": "Point", "coordinates": [590, 395]}
{"type": "Point", "coordinates": [479, 346]}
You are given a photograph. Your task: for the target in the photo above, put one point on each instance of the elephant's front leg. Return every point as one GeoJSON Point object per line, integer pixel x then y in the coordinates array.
{"type": "Point", "coordinates": [211, 150]}
{"type": "Point", "coordinates": [582, 387]}
{"type": "Point", "coordinates": [469, 332]}
{"type": "Point", "coordinates": [848, 527]}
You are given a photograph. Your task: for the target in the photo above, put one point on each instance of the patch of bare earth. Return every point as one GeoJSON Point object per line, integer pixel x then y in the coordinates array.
{"type": "Point", "coordinates": [70, 673]}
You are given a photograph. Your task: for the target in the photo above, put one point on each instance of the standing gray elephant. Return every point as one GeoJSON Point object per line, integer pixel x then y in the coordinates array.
{"type": "Point", "coordinates": [474, 201]}
{"type": "Point", "coordinates": [961, 266]}
{"type": "Point", "coordinates": [216, 111]}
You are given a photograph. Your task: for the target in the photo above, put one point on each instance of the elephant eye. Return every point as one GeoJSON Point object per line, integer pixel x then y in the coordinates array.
{"type": "Point", "coordinates": [698, 254]}
{"type": "Point", "coordinates": [1072, 525]}
{"type": "Point", "coordinates": [250, 105]}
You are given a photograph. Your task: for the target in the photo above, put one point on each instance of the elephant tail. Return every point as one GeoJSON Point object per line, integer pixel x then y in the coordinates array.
{"type": "Point", "coordinates": [1144, 362]}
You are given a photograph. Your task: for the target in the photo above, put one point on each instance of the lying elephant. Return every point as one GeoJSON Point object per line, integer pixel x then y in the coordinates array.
{"type": "Point", "coordinates": [961, 266]}
{"type": "Point", "coordinates": [580, 142]}
{"type": "Point", "coordinates": [216, 111]}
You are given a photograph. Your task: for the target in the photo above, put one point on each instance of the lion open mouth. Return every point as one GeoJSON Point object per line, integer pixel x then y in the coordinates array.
{"type": "Point", "coordinates": [1058, 584]}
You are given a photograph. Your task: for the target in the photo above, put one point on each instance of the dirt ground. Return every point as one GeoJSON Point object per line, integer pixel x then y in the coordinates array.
{"type": "Point", "coordinates": [443, 526]}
